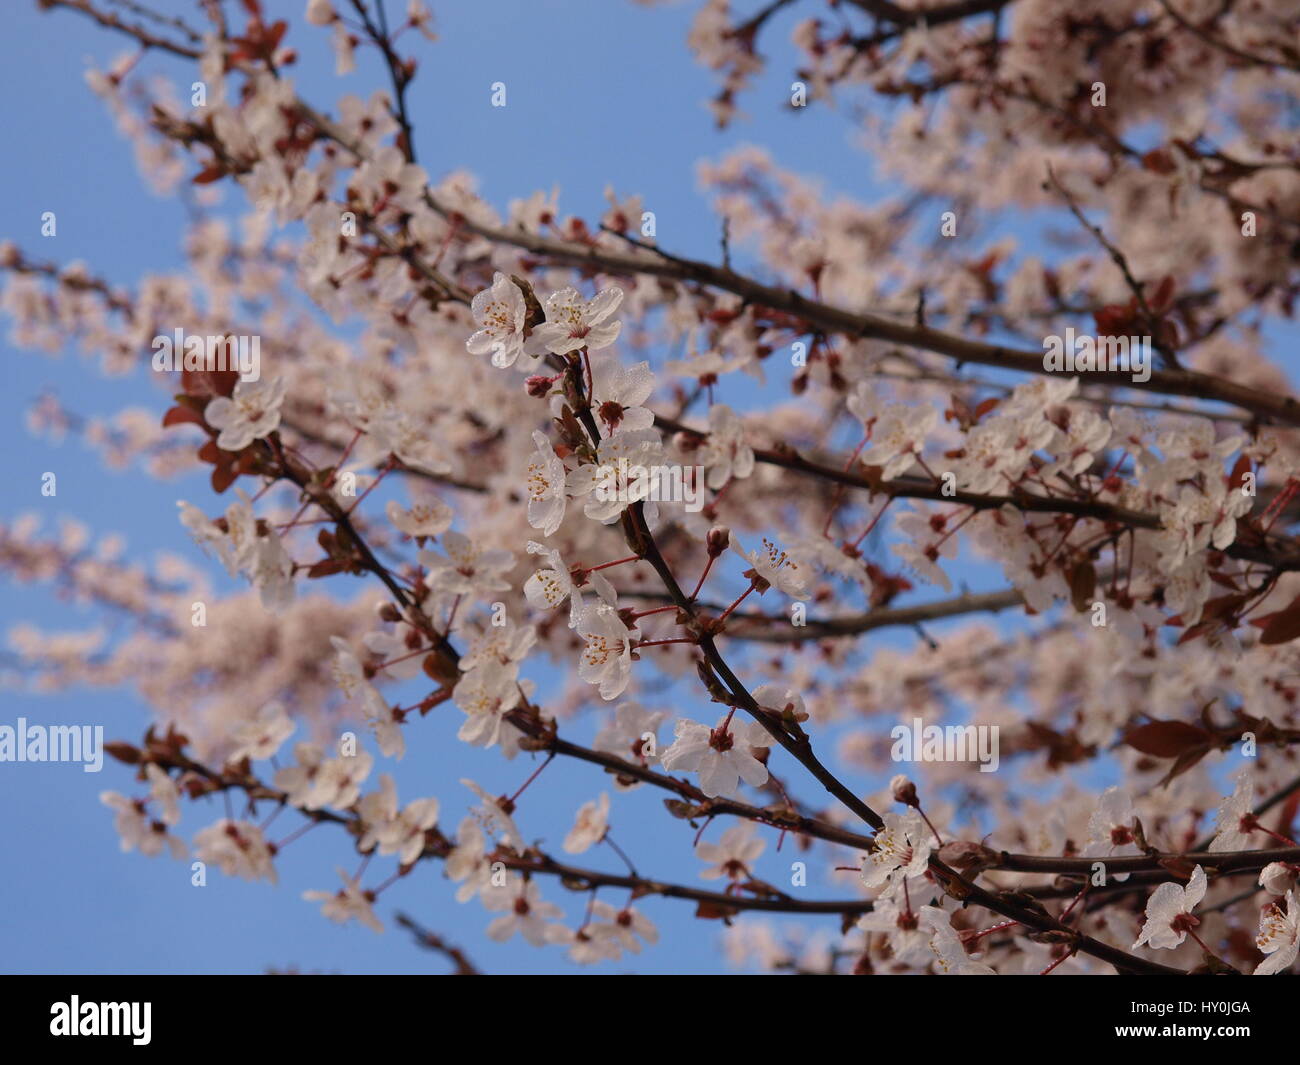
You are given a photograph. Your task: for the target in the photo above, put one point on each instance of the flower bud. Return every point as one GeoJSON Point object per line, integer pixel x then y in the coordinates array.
{"type": "Point", "coordinates": [538, 385]}
{"type": "Point", "coordinates": [904, 791]}
{"type": "Point", "coordinates": [717, 540]}
{"type": "Point", "coordinates": [967, 857]}
{"type": "Point", "coordinates": [1277, 878]}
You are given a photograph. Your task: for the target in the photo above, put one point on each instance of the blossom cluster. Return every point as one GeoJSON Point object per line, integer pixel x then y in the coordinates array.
{"type": "Point", "coordinates": [417, 545]}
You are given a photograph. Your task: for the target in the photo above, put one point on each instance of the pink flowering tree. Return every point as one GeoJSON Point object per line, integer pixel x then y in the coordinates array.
{"type": "Point", "coordinates": [725, 531]}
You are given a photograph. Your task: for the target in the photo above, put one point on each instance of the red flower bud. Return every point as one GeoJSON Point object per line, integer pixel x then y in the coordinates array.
{"type": "Point", "coordinates": [717, 540]}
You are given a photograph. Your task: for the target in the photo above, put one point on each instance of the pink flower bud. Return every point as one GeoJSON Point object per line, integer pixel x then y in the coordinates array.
{"type": "Point", "coordinates": [538, 385]}
{"type": "Point", "coordinates": [717, 540]}
{"type": "Point", "coordinates": [904, 791]}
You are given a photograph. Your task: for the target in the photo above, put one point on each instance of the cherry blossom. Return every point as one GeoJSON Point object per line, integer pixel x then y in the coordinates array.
{"type": "Point", "coordinates": [607, 658]}
{"type": "Point", "coordinates": [901, 850]}
{"type": "Point", "coordinates": [137, 831]}
{"type": "Point", "coordinates": [949, 950]}
{"type": "Point", "coordinates": [725, 454]}
{"type": "Point", "coordinates": [618, 392]}
{"type": "Point", "coordinates": [404, 835]}
{"type": "Point", "coordinates": [1096, 567]}
{"type": "Point", "coordinates": [384, 721]}
{"type": "Point", "coordinates": [546, 487]}
{"type": "Point", "coordinates": [722, 756]}
{"type": "Point", "coordinates": [1110, 827]}
{"type": "Point", "coordinates": [429, 518]}
{"type": "Point", "coordinates": [626, 448]}
{"type": "Point", "coordinates": [548, 588]}
{"type": "Point", "coordinates": [590, 827]}
{"type": "Point", "coordinates": [908, 941]}
{"type": "Point", "coordinates": [395, 650]}
{"type": "Point", "coordinates": [501, 644]}
{"type": "Point", "coordinates": [317, 782]}
{"type": "Point", "coordinates": [1169, 912]}
{"type": "Point", "coordinates": [467, 568]}
{"type": "Point", "coordinates": [1279, 936]}
{"type": "Point", "coordinates": [237, 848]}
{"type": "Point", "coordinates": [467, 864]}
{"type": "Point", "coordinates": [251, 413]}
{"type": "Point", "coordinates": [526, 913]}
{"type": "Point", "coordinates": [775, 568]}
{"type": "Point", "coordinates": [349, 903]}
{"type": "Point", "coordinates": [486, 693]}
{"type": "Point", "coordinates": [501, 313]}
{"type": "Point", "coordinates": [625, 734]}
{"type": "Point", "coordinates": [397, 434]}
{"type": "Point", "coordinates": [1235, 818]}
{"type": "Point", "coordinates": [494, 817]}
{"type": "Point", "coordinates": [781, 701]}
{"type": "Point", "coordinates": [897, 437]}
{"type": "Point", "coordinates": [593, 942]}
{"type": "Point", "coordinates": [573, 323]}
{"type": "Point", "coordinates": [264, 735]}
{"type": "Point", "coordinates": [628, 927]}
{"type": "Point", "coordinates": [1277, 878]}
{"type": "Point", "coordinates": [733, 856]}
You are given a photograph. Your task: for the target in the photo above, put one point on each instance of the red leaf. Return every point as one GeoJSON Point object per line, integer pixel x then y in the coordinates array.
{"type": "Point", "coordinates": [209, 174]}
{"type": "Point", "coordinates": [1114, 320]}
{"type": "Point", "coordinates": [209, 382]}
{"type": "Point", "coordinates": [123, 752]}
{"type": "Point", "coordinates": [222, 478]}
{"type": "Point", "coordinates": [1166, 739]}
{"type": "Point", "coordinates": [326, 567]}
{"type": "Point", "coordinates": [1223, 606]}
{"type": "Point", "coordinates": [275, 34]}
{"type": "Point", "coordinates": [1164, 296]}
{"type": "Point", "coordinates": [1223, 580]}
{"type": "Point", "coordinates": [182, 416]}
{"type": "Point", "coordinates": [1159, 161]}
{"type": "Point", "coordinates": [1184, 762]}
{"type": "Point", "coordinates": [1283, 626]}
{"type": "Point", "coordinates": [1238, 475]}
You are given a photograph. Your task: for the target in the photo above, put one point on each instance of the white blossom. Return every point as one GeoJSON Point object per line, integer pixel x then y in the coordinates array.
{"type": "Point", "coordinates": [573, 323]}
{"type": "Point", "coordinates": [251, 412]}
{"type": "Point", "coordinates": [590, 827]}
{"type": "Point", "coordinates": [722, 756]}
{"type": "Point", "coordinates": [734, 855]}
{"type": "Point", "coordinates": [501, 313]}
{"type": "Point", "coordinates": [1169, 912]}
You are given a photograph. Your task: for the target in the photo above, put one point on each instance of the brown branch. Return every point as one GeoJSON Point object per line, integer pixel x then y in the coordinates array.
{"type": "Point", "coordinates": [921, 488]}
{"type": "Point", "coordinates": [1267, 405]}
{"type": "Point", "coordinates": [433, 941]}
